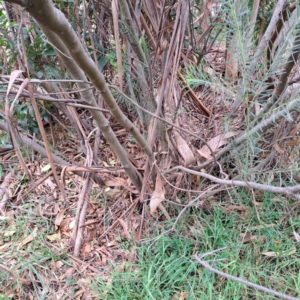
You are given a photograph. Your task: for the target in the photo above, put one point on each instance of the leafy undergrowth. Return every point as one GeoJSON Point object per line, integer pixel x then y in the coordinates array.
{"type": "Point", "coordinates": [260, 247]}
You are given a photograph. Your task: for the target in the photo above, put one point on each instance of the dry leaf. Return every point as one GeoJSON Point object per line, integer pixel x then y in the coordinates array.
{"type": "Point", "coordinates": [280, 254]}
{"type": "Point", "coordinates": [215, 144]}
{"type": "Point", "coordinates": [113, 243]}
{"type": "Point", "coordinates": [6, 245]}
{"type": "Point", "coordinates": [58, 264]}
{"type": "Point", "coordinates": [278, 148]}
{"type": "Point", "coordinates": [181, 296]}
{"type": "Point", "coordinates": [9, 232]}
{"type": "Point", "coordinates": [118, 181]}
{"type": "Point", "coordinates": [111, 192]}
{"type": "Point", "coordinates": [46, 168]}
{"type": "Point", "coordinates": [52, 237]}
{"type": "Point", "coordinates": [297, 236]}
{"type": "Point", "coordinates": [50, 183]}
{"type": "Point", "coordinates": [262, 226]}
{"type": "Point", "coordinates": [59, 218]}
{"type": "Point", "coordinates": [125, 234]}
{"type": "Point", "coordinates": [247, 237]}
{"type": "Point", "coordinates": [67, 273]}
{"type": "Point", "coordinates": [293, 142]}
{"type": "Point", "coordinates": [209, 70]}
{"type": "Point", "coordinates": [78, 294]}
{"type": "Point", "coordinates": [184, 150]}
{"type": "Point", "coordinates": [158, 195]}
{"type": "Point", "coordinates": [29, 238]}
{"type": "Point", "coordinates": [13, 76]}
{"type": "Point", "coordinates": [86, 249]}
{"type": "Point", "coordinates": [72, 223]}
{"type": "Point", "coordinates": [105, 251]}
{"type": "Point", "coordinates": [233, 207]}
{"type": "Point", "coordinates": [65, 226]}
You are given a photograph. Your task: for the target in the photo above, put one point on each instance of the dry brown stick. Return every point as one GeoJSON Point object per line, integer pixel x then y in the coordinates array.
{"type": "Point", "coordinates": [81, 214]}
{"type": "Point", "coordinates": [148, 32]}
{"type": "Point", "coordinates": [49, 116]}
{"type": "Point", "coordinates": [255, 207]}
{"type": "Point", "coordinates": [3, 193]}
{"type": "Point", "coordinates": [152, 132]}
{"type": "Point", "coordinates": [194, 96]}
{"type": "Point", "coordinates": [80, 202]}
{"type": "Point", "coordinates": [180, 29]}
{"type": "Point", "coordinates": [39, 119]}
{"type": "Point", "coordinates": [139, 232]}
{"type": "Point", "coordinates": [83, 203]}
{"type": "Point", "coordinates": [9, 119]}
{"type": "Point", "coordinates": [240, 280]}
{"type": "Point", "coordinates": [147, 173]}
{"type": "Point", "coordinates": [43, 133]}
{"type": "Point", "coordinates": [114, 10]}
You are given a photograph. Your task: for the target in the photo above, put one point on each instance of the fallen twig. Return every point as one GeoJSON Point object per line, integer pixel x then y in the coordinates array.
{"type": "Point", "coordinates": [237, 279]}
{"type": "Point", "coordinates": [194, 96]}
{"type": "Point", "coordinates": [292, 191]}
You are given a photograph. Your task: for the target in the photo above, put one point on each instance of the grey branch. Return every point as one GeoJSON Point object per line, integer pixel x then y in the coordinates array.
{"type": "Point", "coordinates": [289, 191]}
{"type": "Point", "coordinates": [237, 279]}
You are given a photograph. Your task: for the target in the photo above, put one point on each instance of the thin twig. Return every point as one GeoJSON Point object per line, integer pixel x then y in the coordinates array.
{"type": "Point", "coordinates": [290, 191]}
{"type": "Point", "coordinates": [237, 279]}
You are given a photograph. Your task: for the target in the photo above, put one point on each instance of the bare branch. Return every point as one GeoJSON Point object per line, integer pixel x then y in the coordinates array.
{"type": "Point", "coordinates": [237, 279]}
{"type": "Point", "coordinates": [289, 191]}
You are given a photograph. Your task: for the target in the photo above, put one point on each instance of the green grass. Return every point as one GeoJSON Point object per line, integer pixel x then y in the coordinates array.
{"type": "Point", "coordinates": [166, 267]}
{"type": "Point", "coordinates": [30, 264]}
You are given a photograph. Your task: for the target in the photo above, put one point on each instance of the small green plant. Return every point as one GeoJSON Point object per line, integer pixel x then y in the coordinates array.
{"type": "Point", "coordinates": [23, 112]}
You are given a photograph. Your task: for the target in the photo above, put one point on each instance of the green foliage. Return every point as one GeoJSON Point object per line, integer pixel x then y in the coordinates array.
{"type": "Point", "coordinates": [112, 59]}
{"type": "Point", "coordinates": [24, 113]}
{"type": "Point", "coordinates": [4, 139]}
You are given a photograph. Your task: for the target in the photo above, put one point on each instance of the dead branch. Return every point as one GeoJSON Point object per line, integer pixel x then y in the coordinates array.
{"type": "Point", "coordinates": [237, 279]}
{"type": "Point", "coordinates": [289, 191]}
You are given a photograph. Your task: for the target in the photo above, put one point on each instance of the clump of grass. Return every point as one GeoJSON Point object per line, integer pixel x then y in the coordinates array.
{"type": "Point", "coordinates": [27, 262]}
{"type": "Point", "coordinates": [263, 252]}
{"type": "Point", "coordinates": [161, 270]}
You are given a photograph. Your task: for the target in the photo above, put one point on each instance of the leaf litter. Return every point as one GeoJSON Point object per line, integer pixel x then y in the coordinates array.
{"type": "Point", "coordinates": [113, 214]}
